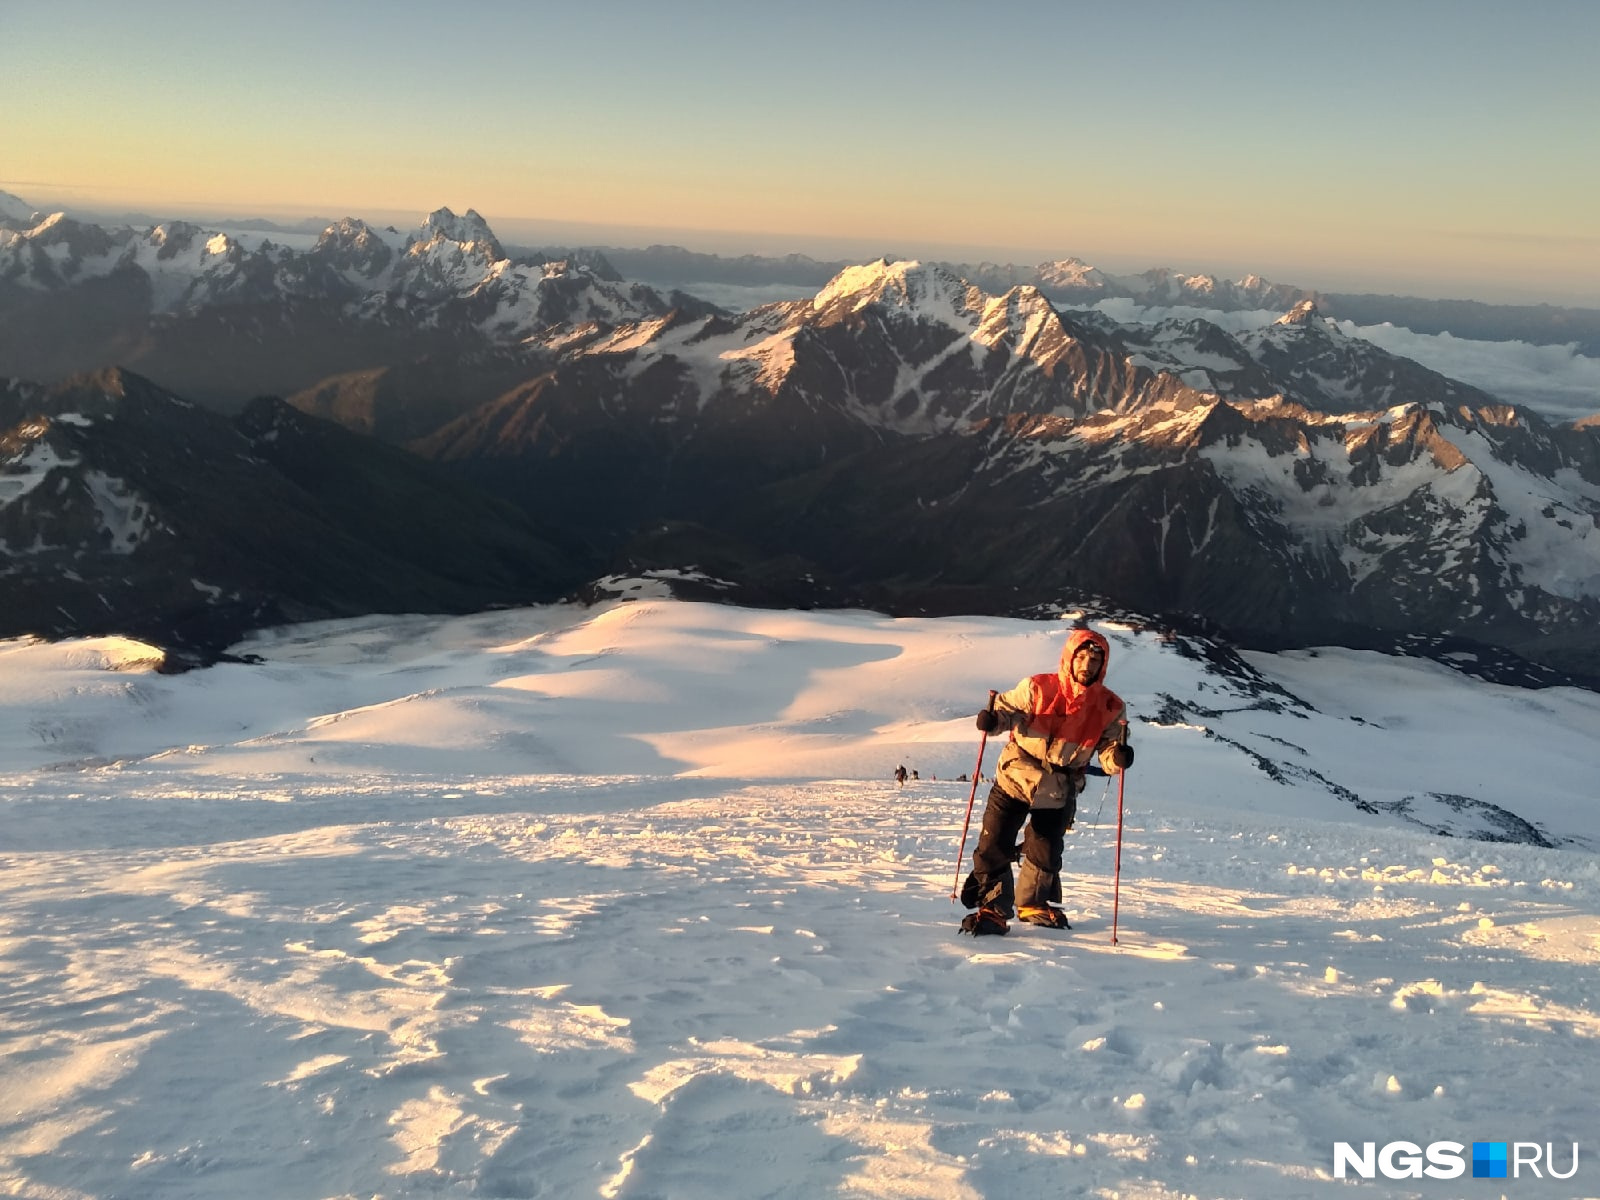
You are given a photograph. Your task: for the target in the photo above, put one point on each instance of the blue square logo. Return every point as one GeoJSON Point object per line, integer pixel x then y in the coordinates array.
{"type": "Point", "coordinates": [1488, 1160]}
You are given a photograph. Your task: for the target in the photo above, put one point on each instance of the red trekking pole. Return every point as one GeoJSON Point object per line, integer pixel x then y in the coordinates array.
{"type": "Point", "coordinates": [977, 773]}
{"type": "Point", "coordinates": [1116, 888]}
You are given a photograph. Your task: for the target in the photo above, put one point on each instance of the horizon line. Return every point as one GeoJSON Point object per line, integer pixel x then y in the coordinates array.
{"type": "Point", "coordinates": [964, 253]}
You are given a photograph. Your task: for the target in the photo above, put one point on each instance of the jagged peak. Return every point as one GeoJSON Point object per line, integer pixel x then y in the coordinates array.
{"type": "Point", "coordinates": [177, 237]}
{"type": "Point", "coordinates": [346, 229]}
{"type": "Point", "coordinates": [1305, 316]}
{"type": "Point", "coordinates": [1304, 313]}
{"type": "Point", "coordinates": [1020, 315]}
{"type": "Point", "coordinates": [865, 277]}
{"type": "Point", "coordinates": [1165, 282]}
{"type": "Point", "coordinates": [352, 240]}
{"type": "Point", "coordinates": [52, 226]}
{"type": "Point", "coordinates": [566, 273]}
{"type": "Point", "coordinates": [1071, 271]}
{"type": "Point", "coordinates": [1027, 295]}
{"type": "Point", "coordinates": [1159, 275]}
{"type": "Point", "coordinates": [173, 231]}
{"type": "Point", "coordinates": [1023, 300]}
{"type": "Point", "coordinates": [590, 260]}
{"type": "Point", "coordinates": [468, 229]}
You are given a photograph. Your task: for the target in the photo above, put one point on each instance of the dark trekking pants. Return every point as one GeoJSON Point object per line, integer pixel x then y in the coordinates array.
{"type": "Point", "coordinates": [990, 884]}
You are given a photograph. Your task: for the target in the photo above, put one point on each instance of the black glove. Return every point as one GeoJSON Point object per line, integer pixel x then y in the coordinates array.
{"type": "Point", "coordinates": [1122, 756]}
{"type": "Point", "coordinates": [987, 721]}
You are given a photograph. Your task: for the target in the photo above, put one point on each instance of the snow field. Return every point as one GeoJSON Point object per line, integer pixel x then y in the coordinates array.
{"type": "Point", "coordinates": [363, 943]}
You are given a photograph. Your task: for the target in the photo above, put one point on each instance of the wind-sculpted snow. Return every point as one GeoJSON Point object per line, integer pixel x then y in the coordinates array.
{"type": "Point", "coordinates": [623, 902]}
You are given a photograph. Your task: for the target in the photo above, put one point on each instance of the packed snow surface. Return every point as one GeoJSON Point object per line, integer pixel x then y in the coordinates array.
{"type": "Point", "coordinates": [623, 902]}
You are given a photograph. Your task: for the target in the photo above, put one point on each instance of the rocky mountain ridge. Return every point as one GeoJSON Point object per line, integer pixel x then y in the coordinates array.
{"type": "Point", "coordinates": [1294, 485]}
{"type": "Point", "coordinates": [220, 321]}
{"type": "Point", "coordinates": [904, 439]}
{"type": "Point", "coordinates": [1073, 282]}
{"type": "Point", "coordinates": [183, 303]}
{"type": "Point", "coordinates": [125, 509]}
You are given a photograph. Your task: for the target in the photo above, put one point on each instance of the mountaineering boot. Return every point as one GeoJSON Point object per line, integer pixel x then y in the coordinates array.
{"type": "Point", "coordinates": [984, 921]}
{"type": "Point", "coordinates": [978, 893]}
{"type": "Point", "coordinates": [1051, 918]}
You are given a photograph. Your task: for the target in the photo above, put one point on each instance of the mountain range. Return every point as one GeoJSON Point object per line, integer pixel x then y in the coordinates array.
{"type": "Point", "coordinates": [921, 443]}
{"type": "Point", "coordinates": [906, 439]}
{"type": "Point", "coordinates": [1073, 282]}
{"type": "Point", "coordinates": [224, 316]}
{"type": "Point", "coordinates": [125, 509]}
{"type": "Point", "coordinates": [219, 322]}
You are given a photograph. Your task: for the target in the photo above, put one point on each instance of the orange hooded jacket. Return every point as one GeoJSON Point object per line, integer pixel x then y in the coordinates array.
{"type": "Point", "coordinates": [1057, 725]}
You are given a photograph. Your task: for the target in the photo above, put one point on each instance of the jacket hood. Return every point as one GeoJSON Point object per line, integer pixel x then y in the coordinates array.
{"type": "Point", "coordinates": [1082, 637]}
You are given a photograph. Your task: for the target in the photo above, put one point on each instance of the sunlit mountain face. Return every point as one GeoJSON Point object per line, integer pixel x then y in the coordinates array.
{"type": "Point", "coordinates": [901, 438]}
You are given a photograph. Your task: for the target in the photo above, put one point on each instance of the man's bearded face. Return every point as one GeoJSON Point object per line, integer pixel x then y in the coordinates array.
{"type": "Point", "coordinates": [1087, 663]}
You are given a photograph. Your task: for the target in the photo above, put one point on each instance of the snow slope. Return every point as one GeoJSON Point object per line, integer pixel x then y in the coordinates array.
{"type": "Point", "coordinates": [622, 902]}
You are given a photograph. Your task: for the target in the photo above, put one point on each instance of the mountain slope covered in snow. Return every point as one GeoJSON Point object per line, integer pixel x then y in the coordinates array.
{"type": "Point", "coordinates": [623, 901]}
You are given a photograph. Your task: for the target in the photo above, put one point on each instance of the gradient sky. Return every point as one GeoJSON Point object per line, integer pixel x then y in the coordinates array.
{"type": "Point", "coordinates": [1440, 149]}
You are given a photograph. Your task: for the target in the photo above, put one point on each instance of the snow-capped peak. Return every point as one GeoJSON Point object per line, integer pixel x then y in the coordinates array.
{"type": "Point", "coordinates": [173, 238]}
{"type": "Point", "coordinates": [866, 282]}
{"type": "Point", "coordinates": [1303, 313]}
{"type": "Point", "coordinates": [357, 250]}
{"type": "Point", "coordinates": [1071, 272]}
{"type": "Point", "coordinates": [349, 231]}
{"type": "Point", "coordinates": [468, 229]}
{"type": "Point", "coordinates": [1306, 316]}
{"type": "Point", "coordinates": [907, 284]}
{"type": "Point", "coordinates": [172, 231]}
{"type": "Point", "coordinates": [47, 225]}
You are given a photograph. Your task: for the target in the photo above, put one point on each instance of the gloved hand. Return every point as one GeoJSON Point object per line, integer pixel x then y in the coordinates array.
{"type": "Point", "coordinates": [987, 721]}
{"type": "Point", "coordinates": [1122, 756]}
